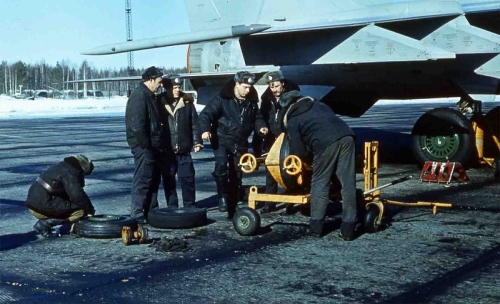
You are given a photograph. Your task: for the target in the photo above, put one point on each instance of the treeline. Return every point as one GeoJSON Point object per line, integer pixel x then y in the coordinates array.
{"type": "Point", "coordinates": [18, 77]}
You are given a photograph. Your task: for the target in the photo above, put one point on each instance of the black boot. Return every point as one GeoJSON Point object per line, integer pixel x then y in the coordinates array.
{"type": "Point", "coordinates": [45, 229]}
{"type": "Point", "coordinates": [349, 230]}
{"type": "Point", "coordinates": [222, 203]}
{"type": "Point", "coordinates": [222, 191]}
{"type": "Point", "coordinates": [315, 228]}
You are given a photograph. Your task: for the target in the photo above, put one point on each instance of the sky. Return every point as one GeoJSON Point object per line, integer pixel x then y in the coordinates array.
{"type": "Point", "coordinates": [34, 31]}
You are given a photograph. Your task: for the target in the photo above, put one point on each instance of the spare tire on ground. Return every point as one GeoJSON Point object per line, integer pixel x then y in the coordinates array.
{"type": "Point", "coordinates": [181, 218]}
{"type": "Point", "coordinates": [103, 226]}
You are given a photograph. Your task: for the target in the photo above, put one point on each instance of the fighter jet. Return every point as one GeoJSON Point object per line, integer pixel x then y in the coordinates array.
{"type": "Point", "coordinates": [350, 54]}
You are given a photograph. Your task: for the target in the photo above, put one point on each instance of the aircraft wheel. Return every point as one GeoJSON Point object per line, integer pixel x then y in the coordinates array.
{"type": "Point", "coordinates": [442, 135]}
{"type": "Point", "coordinates": [246, 221]}
{"type": "Point", "coordinates": [182, 218]}
{"type": "Point", "coordinates": [371, 218]}
{"type": "Point", "coordinates": [103, 226]}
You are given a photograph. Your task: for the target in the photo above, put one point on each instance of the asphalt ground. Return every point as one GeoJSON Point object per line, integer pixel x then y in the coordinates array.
{"type": "Point", "coordinates": [416, 257]}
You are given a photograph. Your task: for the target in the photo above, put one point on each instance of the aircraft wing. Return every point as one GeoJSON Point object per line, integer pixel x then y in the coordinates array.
{"type": "Point", "coordinates": [373, 14]}
{"type": "Point", "coordinates": [377, 49]}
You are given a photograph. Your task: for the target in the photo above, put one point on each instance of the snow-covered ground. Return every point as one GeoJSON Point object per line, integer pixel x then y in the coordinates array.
{"type": "Point", "coordinates": [47, 107]}
{"type": "Point", "coordinates": [11, 108]}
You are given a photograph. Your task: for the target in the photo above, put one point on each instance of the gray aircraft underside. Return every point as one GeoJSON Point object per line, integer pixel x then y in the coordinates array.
{"type": "Point", "coordinates": [354, 52]}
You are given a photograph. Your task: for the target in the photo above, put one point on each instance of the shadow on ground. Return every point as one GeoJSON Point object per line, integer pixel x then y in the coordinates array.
{"type": "Point", "coordinates": [14, 240]}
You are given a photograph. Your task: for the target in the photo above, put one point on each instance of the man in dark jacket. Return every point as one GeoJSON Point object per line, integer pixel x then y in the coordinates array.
{"type": "Point", "coordinates": [227, 121]}
{"type": "Point", "coordinates": [270, 109]}
{"type": "Point", "coordinates": [57, 196]}
{"type": "Point", "coordinates": [313, 127]}
{"type": "Point", "coordinates": [148, 138]}
{"type": "Point", "coordinates": [184, 136]}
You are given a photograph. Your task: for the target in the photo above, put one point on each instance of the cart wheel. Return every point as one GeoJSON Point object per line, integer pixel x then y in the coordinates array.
{"type": "Point", "coordinates": [246, 221]}
{"type": "Point", "coordinates": [371, 219]}
{"type": "Point", "coordinates": [126, 235]}
{"type": "Point", "coordinates": [143, 234]}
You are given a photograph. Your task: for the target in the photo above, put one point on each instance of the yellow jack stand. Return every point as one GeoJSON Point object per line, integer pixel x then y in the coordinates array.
{"type": "Point", "coordinates": [374, 205]}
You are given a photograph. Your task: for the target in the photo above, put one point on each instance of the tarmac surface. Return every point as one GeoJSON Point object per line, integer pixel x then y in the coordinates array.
{"type": "Point", "coordinates": [415, 257]}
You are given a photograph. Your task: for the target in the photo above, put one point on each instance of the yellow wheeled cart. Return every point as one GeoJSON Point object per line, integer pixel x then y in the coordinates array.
{"type": "Point", "coordinates": [294, 176]}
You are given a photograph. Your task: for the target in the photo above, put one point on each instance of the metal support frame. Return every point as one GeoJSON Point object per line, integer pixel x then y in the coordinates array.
{"type": "Point", "coordinates": [370, 170]}
{"type": "Point", "coordinates": [478, 125]}
{"type": "Point", "coordinates": [371, 196]}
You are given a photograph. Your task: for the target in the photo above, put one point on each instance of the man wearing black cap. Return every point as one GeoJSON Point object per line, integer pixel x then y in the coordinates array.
{"type": "Point", "coordinates": [148, 138]}
{"type": "Point", "coordinates": [313, 126]}
{"type": "Point", "coordinates": [184, 136]}
{"type": "Point", "coordinates": [270, 108]}
{"type": "Point", "coordinates": [57, 196]}
{"type": "Point", "coordinates": [227, 121]}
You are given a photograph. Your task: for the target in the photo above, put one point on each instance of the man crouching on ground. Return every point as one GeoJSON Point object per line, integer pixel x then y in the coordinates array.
{"type": "Point", "coordinates": [57, 196]}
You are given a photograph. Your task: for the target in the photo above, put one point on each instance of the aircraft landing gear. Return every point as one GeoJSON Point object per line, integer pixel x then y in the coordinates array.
{"type": "Point", "coordinates": [446, 135]}
{"type": "Point", "coordinates": [443, 134]}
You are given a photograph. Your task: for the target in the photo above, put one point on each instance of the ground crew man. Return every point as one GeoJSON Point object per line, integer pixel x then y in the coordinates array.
{"type": "Point", "coordinates": [270, 108]}
{"type": "Point", "coordinates": [57, 196]}
{"type": "Point", "coordinates": [184, 136]}
{"type": "Point", "coordinates": [149, 139]}
{"type": "Point", "coordinates": [312, 126]}
{"type": "Point", "coordinates": [227, 121]}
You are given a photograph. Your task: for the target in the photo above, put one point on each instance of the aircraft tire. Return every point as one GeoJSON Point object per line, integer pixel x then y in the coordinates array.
{"type": "Point", "coordinates": [181, 218]}
{"type": "Point", "coordinates": [443, 134]}
{"type": "Point", "coordinates": [103, 226]}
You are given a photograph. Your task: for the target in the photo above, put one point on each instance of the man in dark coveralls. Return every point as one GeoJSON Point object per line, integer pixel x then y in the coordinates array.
{"type": "Point", "coordinates": [148, 138]}
{"type": "Point", "coordinates": [57, 196]}
{"type": "Point", "coordinates": [184, 136]}
{"type": "Point", "coordinates": [227, 121]}
{"type": "Point", "coordinates": [270, 109]}
{"type": "Point", "coordinates": [311, 125]}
